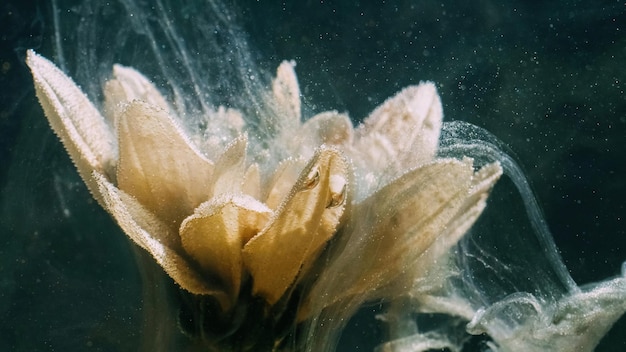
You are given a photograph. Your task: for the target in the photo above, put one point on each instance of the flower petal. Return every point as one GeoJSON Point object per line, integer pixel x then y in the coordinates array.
{"type": "Point", "coordinates": [287, 94]}
{"type": "Point", "coordinates": [252, 181]}
{"type": "Point", "coordinates": [471, 208]}
{"type": "Point", "coordinates": [159, 166]}
{"type": "Point", "coordinates": [409, 125]}
{"type": "Point", "coordinates": [222, 127]}
{"type": "Point", "coordinates": [330, 127]}
{"type": "Point", "coordinates": [283, 179]}
{"type": "Point", "coordinates": [230, 168]}
{"type": "Point", "coordinates": [87, 137]}
{"type": "Point", "coordinates": [152, 235]}
{"type": "Point", "coordinates": [403, 219]}
{"type": "Point", "coordinates": [127, 85]}
{"type": "Point", "coordinates": [305, 221]}
{"type": "Point", "coordinates": [412, 212]}
{"type": "Point", "coordinates": [215, 234]}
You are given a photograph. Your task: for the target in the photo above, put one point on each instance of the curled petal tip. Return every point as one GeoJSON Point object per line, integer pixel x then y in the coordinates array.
{"type": "Point", "coordinates": [84, 132]}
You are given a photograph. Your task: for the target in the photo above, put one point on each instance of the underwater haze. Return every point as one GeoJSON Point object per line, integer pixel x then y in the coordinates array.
{"type": "Point", "coordinates": [547, 79]}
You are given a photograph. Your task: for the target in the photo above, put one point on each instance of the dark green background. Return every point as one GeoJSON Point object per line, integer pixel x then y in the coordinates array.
{"type": "Point", "coordinates": [547, 78]}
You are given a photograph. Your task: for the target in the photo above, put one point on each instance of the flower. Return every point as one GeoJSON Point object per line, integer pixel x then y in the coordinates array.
{"type": "Point", "coordinates": [353, 214]}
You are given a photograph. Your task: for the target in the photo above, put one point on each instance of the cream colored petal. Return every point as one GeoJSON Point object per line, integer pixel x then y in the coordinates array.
{"type": "Point", "coordinates": [410, 122]}
{"type": "Point", "coordinates": [222, 127]}
{"type": "Point", "coordinates": [411, 212]}
{"type": "Point", "coordinates": [229, 171]}
{"type": "Point", "coordinates": [127, 85]}
{"type": "Point", "coordinates": [87, 137]}
{"type": "Point", "coordinates": [150, 234]}
{"type": "Point", "coordinates": [159, 166]}
{"type": "Point", "coordinates": [395, 226]}
{"type": "Point", "coordinates": [475, 202]}
{"type": "Point", "coordinates": [282, 181]}
{"type": "Point", "coordinates": [454, 221]}
{"type": "Point", "coordinates": [232, 118]}
{"type": "Point", "coordinates": [215, 234]}
{"type": "Point", "coordinates": [329, 127]}
{"type": "Point", "coordinates": [252, 181]}
{"type": "Point", "coordinates": [287, 93]}
{"type": "Point", "coordinates": [424, 216]}
{"type": "Point", "coordinates": [306, 219]}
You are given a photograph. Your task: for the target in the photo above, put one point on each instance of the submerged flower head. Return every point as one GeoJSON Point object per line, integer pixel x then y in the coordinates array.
{"type": "Point", "coordinates": [318, 215]}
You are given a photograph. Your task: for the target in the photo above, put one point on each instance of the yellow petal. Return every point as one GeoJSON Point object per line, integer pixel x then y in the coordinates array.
{"type": "Point", "coordinates": [215, 234]}
{"type": "Point", "coordinates": [339, 197]}
{"type": "Point", "coordinates": [84, 132]}
{"type": "Point", "coordinates": [159, 166]}
{"type": "Point", "coordinates": [152, 235]}
{"type": "Point", "coordinates": [306, 219]}
{"type": "Point", "coordinates": [127, 85]}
